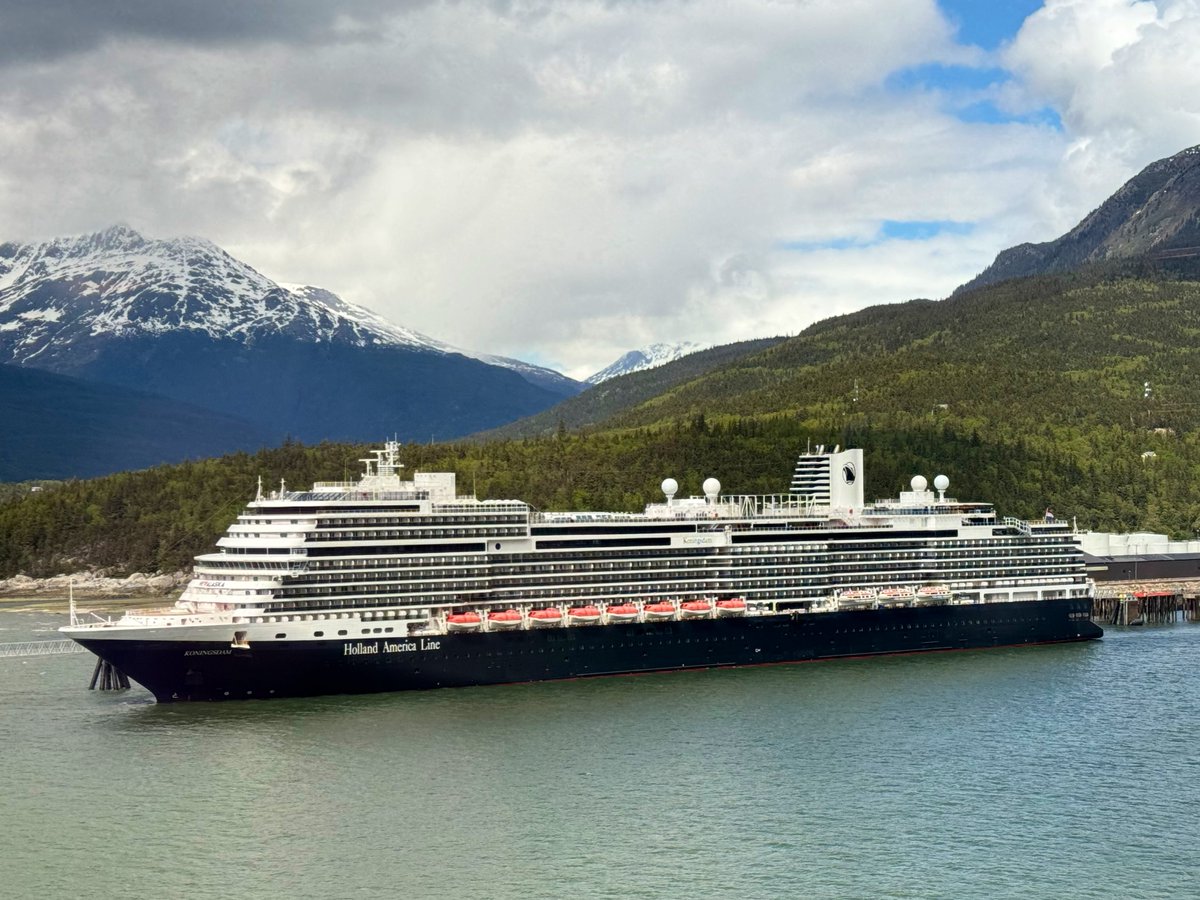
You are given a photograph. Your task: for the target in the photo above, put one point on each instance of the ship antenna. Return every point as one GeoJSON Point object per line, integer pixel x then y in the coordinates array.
{"type": "Point", "coordinates": [71, 599]}
{"type": "Point", "coordinates": [258, 495]}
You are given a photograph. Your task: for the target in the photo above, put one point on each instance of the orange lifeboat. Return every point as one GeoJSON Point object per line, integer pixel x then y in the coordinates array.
{"type": "Point", "coordinates": [622, 612]}
{"type": "Point", "coordinates": [583, 615]}
{"type": "Point", "coordinates": [659, 611]}
{"type": "Point", "coordinates": [504, 619]}
{"type": "Point", "coordinates": [695, 609]}
{"type": "Point", "coordinates": [735, 606]}
{"type": "Point", "coordinates": [934, 593]}
{"type": "Point", "coordinates": [897, 596]}
{"type": "Point", "coordinates": [545, 618]}
{"type": "Point", "coordinates": [467, 621]}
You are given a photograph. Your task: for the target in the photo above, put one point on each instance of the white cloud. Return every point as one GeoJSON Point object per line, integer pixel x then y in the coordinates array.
{"type": "Point", "coordinates": [568, 180]}
{"type": "Point", "coordinates": [1124, 76]}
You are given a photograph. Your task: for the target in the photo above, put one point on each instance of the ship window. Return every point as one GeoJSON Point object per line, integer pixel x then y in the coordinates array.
{"type": "Point", "coordinates": [318, 634]}
{"type": "Point", "coordinates": [280, 635]}
{"type": "Point", "coordinates": [342, 632]}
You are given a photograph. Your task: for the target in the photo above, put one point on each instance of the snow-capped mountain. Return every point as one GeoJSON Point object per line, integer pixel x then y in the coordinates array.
{"type": "Point", "coordinates": [646, 358]}
{"type": "Point", "coordinates": [184, 319]}
{"type": "Point", "coordinates": [58, 298]}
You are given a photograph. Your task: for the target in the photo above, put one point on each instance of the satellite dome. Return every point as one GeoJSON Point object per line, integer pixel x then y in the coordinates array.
{"type": "Point", "coordinates": [712, 487]}
{"type": "Point", "coordinates": [670, 486]}
{"type": "Point", "coordinates": [941, 482]}
{"type": "Point", "coordinates": [919, 483]}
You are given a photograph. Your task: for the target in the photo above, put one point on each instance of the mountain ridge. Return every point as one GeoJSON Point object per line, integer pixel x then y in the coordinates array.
{"type": "Point", "coordinates": [1155, 214]}
{"type": "Point", "coordinates": [185, 320]}
{"type": "Point", "coordinates": [644, 358]}
{"type": "Point", "coordinates": [60, 298]}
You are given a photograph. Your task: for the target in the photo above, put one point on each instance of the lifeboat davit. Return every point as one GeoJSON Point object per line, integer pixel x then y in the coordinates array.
{"type": "Point", "coordinates": [467, 621]}
{"type": "Point", "coordinates": [583, 615]}
{"type": "Point", "coordinates": [622, 612]}
{"type": "Point", "coordinates": [659, 611]}
{"type": "Point", "coordinates": [695, 609]}
{"type": "Point", "coordinates": [504, 619]}
{"type": "Point", "coordinates": [735, 606]}
{"type": "Point", "coordinates": [545, 618]}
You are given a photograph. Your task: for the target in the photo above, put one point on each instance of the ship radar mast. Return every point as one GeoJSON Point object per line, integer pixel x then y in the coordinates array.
{"type": "Point", "coordinates": [382, 469]}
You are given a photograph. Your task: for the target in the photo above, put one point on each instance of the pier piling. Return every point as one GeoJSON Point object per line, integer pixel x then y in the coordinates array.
{"type": "Point", "coordinates": [107, 677]}
{"type": "Point", "coordinates": [1146, 607]}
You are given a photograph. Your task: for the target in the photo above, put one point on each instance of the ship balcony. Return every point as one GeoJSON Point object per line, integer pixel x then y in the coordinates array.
{"type": "Point", "coordinates": [257, 543]}
{"type": "Point", "coordinates": [252, 526]}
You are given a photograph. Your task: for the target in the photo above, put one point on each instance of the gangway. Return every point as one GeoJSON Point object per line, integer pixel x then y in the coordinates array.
{"type": "Point", "coordinates": [106, 676]}
{"type": "Point", "coordinates": [40, 648]}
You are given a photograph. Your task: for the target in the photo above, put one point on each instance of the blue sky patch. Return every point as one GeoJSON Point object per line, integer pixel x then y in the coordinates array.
{"type": "Point", "coordinates": [892, 229]}
{"type": "Point", "coordinates": [987, 112]}
{"type": "Point", "coordinates": [889, 230]}
{"type": "Point", "coordinates": [988, 23]}
{"type": "Point", "coordinates": [937, 76]}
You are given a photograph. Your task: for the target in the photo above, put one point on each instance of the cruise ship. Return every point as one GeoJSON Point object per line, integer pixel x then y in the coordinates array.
{"type": "Point", "coordinates": [386, 584]}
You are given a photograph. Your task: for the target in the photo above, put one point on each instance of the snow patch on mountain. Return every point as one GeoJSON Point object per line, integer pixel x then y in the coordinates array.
{"type": "Point", "coordinates": [646, 358]}
{"type": "Point", "coordinates": [61, 296]}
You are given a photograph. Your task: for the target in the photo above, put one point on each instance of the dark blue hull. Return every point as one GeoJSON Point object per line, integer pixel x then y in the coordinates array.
{"type": "Point", "coordinates": [174, 670]}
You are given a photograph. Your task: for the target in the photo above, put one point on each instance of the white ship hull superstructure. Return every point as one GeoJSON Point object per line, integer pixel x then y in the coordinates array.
{"type": "Point", "coordinates": [348, 570]}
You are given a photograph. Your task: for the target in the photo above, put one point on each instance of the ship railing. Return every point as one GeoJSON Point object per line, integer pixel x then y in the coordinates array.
{"type": "Point", "coordinates": [1019, 524]}
{"type": "Point", "coordinates": [161, 618]}
{"type": "Point", "coordinates": [353, 493]}
{"type": "Point", "coordinates": [489, 505]}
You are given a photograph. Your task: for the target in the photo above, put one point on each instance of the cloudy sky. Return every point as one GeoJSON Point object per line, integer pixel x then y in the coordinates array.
{"type": "Point", "coordinates": [564, 180]}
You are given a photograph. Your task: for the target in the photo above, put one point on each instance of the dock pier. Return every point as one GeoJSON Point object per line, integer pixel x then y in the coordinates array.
{"type": "Point", "coordinates": [1144, 605]}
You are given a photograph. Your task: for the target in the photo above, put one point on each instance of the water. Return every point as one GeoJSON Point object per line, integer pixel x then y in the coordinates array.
{"type": "Point", "coordinates": [1065, 771]}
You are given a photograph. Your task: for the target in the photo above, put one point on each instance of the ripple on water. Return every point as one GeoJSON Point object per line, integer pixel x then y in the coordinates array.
{"type": "Point", "coordinates": [1064, 771]}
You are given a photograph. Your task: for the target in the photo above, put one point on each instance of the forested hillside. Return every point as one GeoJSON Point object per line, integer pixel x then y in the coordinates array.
{"type": "Point", "coordinates": [1080, 392]}
{"type": "Point", "coordinates": [158, 519]}
{"type": "Point", "coordinates": [1056, 353]}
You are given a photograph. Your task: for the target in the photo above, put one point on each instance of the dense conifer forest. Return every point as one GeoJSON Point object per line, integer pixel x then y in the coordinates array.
{"type": "Point", "coordinates": [1080, 392]}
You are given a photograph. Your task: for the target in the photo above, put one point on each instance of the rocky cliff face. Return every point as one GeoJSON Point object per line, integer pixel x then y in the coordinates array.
{"type": "Point", "coordinates": [1155, 215]}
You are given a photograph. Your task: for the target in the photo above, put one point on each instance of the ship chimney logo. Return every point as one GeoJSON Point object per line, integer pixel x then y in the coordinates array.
{"type": "Point", "coordinates": [848, 473]}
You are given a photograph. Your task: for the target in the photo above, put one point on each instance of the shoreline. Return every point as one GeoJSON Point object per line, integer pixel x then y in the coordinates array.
{"type": "Point", "coordinates": [93, 591]}
{"type": "Point", "coordinates": [62, 604]}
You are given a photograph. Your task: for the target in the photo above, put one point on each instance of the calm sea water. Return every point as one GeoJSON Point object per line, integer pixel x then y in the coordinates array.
{"type": "Point", "coordinates": [1068, 771]}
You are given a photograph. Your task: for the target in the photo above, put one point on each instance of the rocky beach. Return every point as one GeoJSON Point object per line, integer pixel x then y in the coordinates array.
{"type": "Point", "coordinates": [91, 589]}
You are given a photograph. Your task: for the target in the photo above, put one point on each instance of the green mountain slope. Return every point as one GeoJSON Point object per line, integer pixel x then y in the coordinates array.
{"type": "Point", "coordinates": [612, 397]}
{"type": "Point", "coordinates": [1058, 352]}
